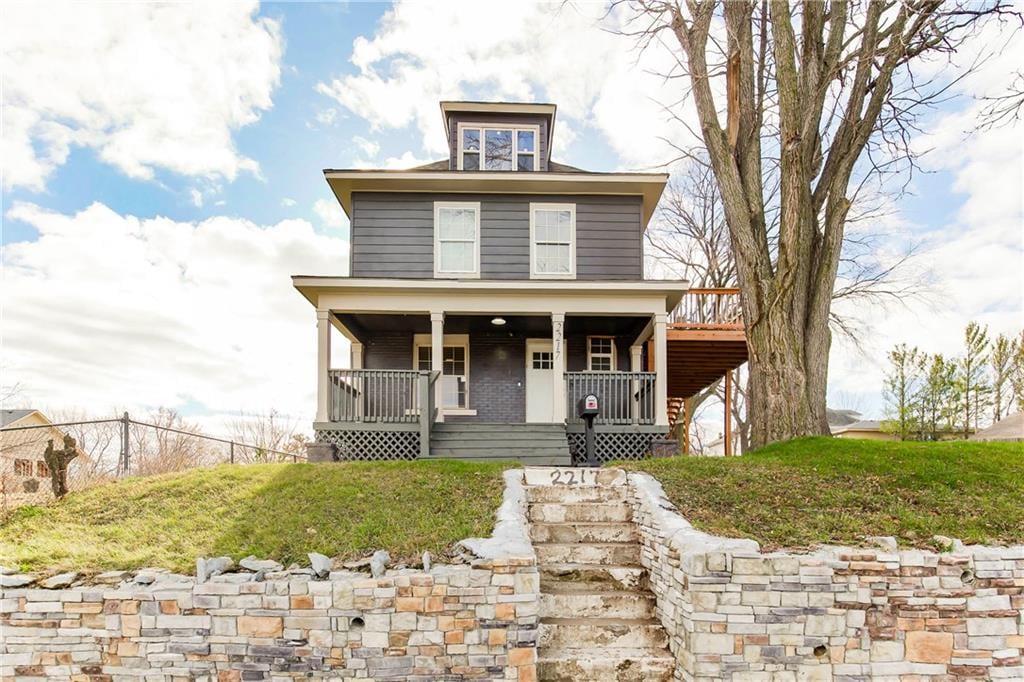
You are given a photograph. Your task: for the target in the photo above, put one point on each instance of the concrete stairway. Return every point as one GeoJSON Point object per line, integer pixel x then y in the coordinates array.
{"type": "Point", "coordinates": [533, 444]}
{"type": "Point", "coordinates": [597, 614]}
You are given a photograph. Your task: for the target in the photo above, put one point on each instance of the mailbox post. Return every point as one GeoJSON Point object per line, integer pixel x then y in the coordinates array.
{"type": "Point", "coordinates": [588, 409]}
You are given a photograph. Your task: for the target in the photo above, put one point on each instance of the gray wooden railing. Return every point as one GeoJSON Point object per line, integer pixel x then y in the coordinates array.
{"type": "Point", "coordinates": [625, 397]}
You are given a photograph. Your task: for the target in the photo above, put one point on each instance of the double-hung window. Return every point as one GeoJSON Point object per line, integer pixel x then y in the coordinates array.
{"type": "Point", "coordinates": [600, 354]}
{"type": "Point", "coordinates": [454, 367]}
{"type": "Point", "coordinates": [552, 241]}
{"type": "Point", "coordinates": [456, 239]}
{"type": "Point", "coordinates": [498, 148]}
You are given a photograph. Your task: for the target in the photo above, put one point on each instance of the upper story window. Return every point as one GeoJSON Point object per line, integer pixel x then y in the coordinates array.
{"type": "Point", "coordinates": [456, 239]}
{"type": "Point", "coordinates": [552, 241]}
{"type": "Point", "coordinates": [498, 147]}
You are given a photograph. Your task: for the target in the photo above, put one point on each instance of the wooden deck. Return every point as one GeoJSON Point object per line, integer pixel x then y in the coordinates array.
{"type": "Point", "coordinates": [706, 339]}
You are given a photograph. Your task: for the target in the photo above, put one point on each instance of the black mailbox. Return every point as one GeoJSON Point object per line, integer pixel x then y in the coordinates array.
{"type": "Point", "coordinates": [588, 408]}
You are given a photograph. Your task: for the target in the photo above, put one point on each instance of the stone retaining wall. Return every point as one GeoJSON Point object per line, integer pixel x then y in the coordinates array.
{"type": "Point", "coordinates": [838, 614]}
{"type": "Point", "coordinates": [454, 622]}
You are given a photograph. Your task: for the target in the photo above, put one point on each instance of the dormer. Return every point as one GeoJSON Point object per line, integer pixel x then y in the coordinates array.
{"type": "Point", "coordinates": [498, 136]}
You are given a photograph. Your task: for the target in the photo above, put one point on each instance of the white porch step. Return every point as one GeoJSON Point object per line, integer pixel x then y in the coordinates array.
{"type": "Point", "coordinates": [574, 512]}
{"type": "Point", "coordinates": [583, 532]}
{"type": "Point", "coordinates": [600, 633]}
{"type": "Point", "coordinates": [605, 665]}
{"type": "Point", "coordinates": [564, 494]}
{"type": "Point", "coordinates": [607, 554]}
{"type": "Point", "coordinates": [569, 577]}
{"type": "Point", "coordinates": [605, 604]}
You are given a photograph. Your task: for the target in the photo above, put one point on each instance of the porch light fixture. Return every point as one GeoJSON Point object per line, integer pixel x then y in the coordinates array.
{"type": "Point", "coordinates": [498, 321]}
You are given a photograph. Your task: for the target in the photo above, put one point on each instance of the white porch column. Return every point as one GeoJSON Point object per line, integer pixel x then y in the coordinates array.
{"type": "Point", "coordinates": [323, 365]}
{"type": "Point", "coordinates": [356, 361]}
{"type": "Point", "coordinates": [661, 369]}
{"type": "Point", "coordinates": [437, 357]}
{"type": "Point", "coordinates": [635, 365]}
{"type": "Point", "coordinates": [558, 367]}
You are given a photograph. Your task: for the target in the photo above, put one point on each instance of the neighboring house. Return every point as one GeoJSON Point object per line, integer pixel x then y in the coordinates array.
{"type": "Point", "coordinates": [24, 476]}
{"type": "Point", "coordinates": [490, 291]}
{"type": "Point", "coordinates": [868, 429]}
{"type": "Point", "coordinates": [1009, 428]}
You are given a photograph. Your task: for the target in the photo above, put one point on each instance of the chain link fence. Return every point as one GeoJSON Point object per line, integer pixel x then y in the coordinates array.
{"type": "Point", "coordinates": [108, 449]}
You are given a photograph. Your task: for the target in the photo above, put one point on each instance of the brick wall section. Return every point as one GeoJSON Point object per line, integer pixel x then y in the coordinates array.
{"type": "Point", "coordinates": [463, 621]}
{"type": "Point", "coordinates": [845, 614]}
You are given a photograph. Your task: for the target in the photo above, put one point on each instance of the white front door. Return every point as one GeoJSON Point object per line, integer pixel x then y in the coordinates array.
{"type": "Point", "coordinates": [539, 366]}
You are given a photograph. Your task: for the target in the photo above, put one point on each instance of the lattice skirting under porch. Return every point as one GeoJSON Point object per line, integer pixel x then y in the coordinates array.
{"type": "Point", "coordinates": [611, 445]}
{"type": "Point", "coordinates": [373, 445]}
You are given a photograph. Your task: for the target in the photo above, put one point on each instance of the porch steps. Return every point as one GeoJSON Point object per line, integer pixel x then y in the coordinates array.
{"type": "Point", "coordinates": [597, 614]}
{"type": "Point", "coordinates": [532, 444]}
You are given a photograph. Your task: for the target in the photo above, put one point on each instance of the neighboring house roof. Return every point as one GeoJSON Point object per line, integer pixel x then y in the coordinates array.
{"type": "Point", "coordinates": [837, 418]}
{"type": "Point", "coordinates": [8, 417]}
{"type": "Point", "coordinates": [1009, 428]}
{"type": "Point", "coordinates": [860, 425]}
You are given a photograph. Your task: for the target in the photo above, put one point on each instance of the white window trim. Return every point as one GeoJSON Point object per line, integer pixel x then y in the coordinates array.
{"type": "Point", "coordinates": [614, 354]}
{"type": "Point", "coordinates": [424, 340]}
{"type": "Point", "coordinates": [445, 274]}
{"type": "Point", "coordinates": [534, 207]}
{"type": "Point", "coordinates": [515, 145]}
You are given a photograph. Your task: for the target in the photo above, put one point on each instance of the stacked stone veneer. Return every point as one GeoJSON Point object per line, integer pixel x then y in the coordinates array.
{"type": "Point", "coordinates": [734, 613]}
{"type": "Point", "coordinates": [454, 622]}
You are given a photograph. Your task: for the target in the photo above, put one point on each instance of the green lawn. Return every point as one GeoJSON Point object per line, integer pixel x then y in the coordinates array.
{"type": "Point", "coordinates": [279, 511]}
{"type": "Point", "coordinates": [830, 490]}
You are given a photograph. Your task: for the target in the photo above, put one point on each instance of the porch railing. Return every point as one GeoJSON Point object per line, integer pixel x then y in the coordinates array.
{"type": "Point", "coordinates": [380, 395]}
{"type": "Point", "coordinates": [708, 309]}
{"type": "Point", "coordinates": [625, 397]}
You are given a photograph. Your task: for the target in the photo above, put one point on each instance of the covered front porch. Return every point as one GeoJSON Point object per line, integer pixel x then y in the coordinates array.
{"type": "Point", "coordinates": [491, 353]}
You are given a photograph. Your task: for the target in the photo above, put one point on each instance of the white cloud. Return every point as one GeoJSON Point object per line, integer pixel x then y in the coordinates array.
{"type": "Point", "coordinates": [147, 86]}
{"type": "Point", "coordinates": [425, 52]}
{"type": "Point", "coordinates": [367, 147]}
{"type": "Point", "coordinates": [107, 310]}
{"type": "Point", "coordinates": [329, 212]}
{"type": "Point", "coordinates": [196, 197]}
{"type": "Point", "coordinates": [288, 202]}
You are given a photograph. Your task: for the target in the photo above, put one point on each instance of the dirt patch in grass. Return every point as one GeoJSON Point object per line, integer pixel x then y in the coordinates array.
{"type": "Point", "coordinates": [278, 511]}
{"type": "Point", "coordinates": [828, 490]}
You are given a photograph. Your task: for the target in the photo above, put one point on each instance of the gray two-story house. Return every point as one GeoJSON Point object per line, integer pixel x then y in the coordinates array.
{"type": "Point", "coordinates": [487, 293]}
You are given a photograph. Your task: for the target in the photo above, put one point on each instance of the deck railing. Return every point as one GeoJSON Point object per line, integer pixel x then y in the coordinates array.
{"type": "Point", "coordinates": [708, 309]}
{"type": "Point", "coordinates": [379, 395]}
{"type": "Point", "coordinates": [625, 397]}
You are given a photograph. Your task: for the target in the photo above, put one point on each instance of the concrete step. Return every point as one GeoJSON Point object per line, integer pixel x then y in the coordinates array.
{"type": "Point", "coordinates": [594, 512]}
{"type": "Point", "coordinates": [496, 427]}
{"type": "Point", "coordinates": [605, 665]}
{"type": "Point", "coordinates": [583, 532]}
{"type": "Point", "coordinates": [567, 494]}
{"type": "Point", "coordinates": [601, 632]}
{"type": "Point", "coordinates": [569, 577]}
{"type": "Point", "coordinates": [573, 476]}
{"type": "Point", "coordinates": [629, 605]}
{"type": "Point", "coordinates": [605, 554]}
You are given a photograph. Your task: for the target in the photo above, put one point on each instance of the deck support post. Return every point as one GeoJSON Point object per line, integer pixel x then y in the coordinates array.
{"type": "Point", "coordinates": [728, 413]}
{"type": "Point", "coordinates": [323, 365]}
{"type": "Point", "coordinates": [661, 369]}
{"type": "Point", "coordinates": [558, 407]}
{"type": "Point", "coordinates": [356, 356]}
{"type": "Point", "coordinates": [686, 426]}
{"type": "Point", "coordinates": [437, 359]}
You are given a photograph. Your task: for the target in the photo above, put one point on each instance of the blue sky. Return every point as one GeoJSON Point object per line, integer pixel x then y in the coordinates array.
{"type": "Point", "coordinates": [202, 234]}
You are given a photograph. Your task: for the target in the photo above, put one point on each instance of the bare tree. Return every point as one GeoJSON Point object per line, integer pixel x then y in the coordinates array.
{"type": "Point", "coordinates": [823, 95]}
{"type": "Point", "coordinates": [159, 450]}
{"type": "Point", "coordinates": [1004, 351]}
{"type": "Point", "coordinates": [267, 434]}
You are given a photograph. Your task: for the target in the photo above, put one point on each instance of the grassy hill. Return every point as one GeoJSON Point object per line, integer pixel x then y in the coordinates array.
{"type": "Point", "coordinates": [279, 511]}
{"type": "Point", "coordinates": [830, 490]}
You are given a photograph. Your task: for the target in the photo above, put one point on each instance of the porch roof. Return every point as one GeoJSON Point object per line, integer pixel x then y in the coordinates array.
{"type": "Point", "coordinates": [481, 295]}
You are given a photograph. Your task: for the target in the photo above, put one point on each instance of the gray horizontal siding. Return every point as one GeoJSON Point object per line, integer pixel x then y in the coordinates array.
{"type": "Point", "coordinates": [393, 235]}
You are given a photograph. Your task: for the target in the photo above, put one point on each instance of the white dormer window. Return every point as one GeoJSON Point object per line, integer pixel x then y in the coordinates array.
{"type": "Point", "coordinates": [498, 147]}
